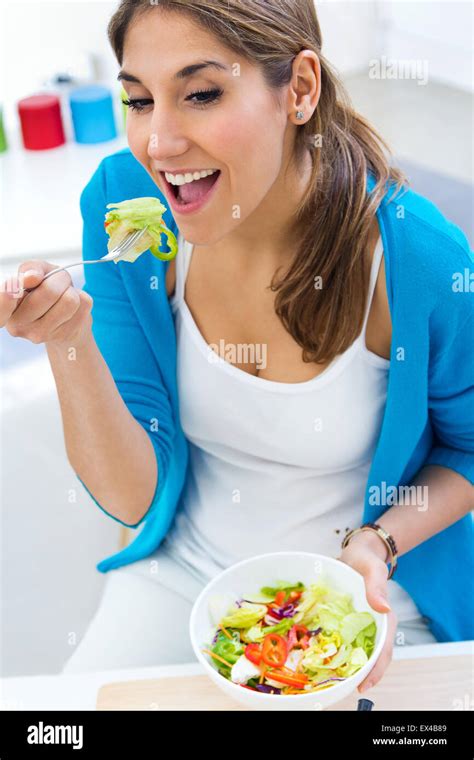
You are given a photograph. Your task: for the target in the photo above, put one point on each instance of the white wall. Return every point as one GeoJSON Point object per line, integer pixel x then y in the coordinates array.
{"type": "Point", "coordinates": [439, 32]}
{"type": "Point", "coordinates": [349, 32]}
{"type": "Point", "coordinates": [40, 37]}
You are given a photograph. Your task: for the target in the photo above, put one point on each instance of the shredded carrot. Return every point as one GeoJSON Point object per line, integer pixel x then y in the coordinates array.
{"type": "Point", "coordinates": [288, 672]}
{"type": "Point", "coordinates": [263, 670]}
{"type": "Point", "coordinates": [217, 657]}
{"type": "Point", "coordinates": [296, 691]}
{"type": "Point", "coordinates": [226, 632]}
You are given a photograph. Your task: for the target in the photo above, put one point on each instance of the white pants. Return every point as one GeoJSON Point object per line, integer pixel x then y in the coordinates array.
{"type": "Point", "coordinates": [143, 618]}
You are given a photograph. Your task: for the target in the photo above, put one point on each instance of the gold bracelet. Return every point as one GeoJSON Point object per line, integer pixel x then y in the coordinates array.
{"type": "Point", "coordinates": [388, 540]}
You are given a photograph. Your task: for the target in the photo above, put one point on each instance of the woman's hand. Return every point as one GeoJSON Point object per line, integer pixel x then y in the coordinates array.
{"type": "Point", "coordinates": [54, 313]}
{"type": "Point", "coordinates": [366, 553]}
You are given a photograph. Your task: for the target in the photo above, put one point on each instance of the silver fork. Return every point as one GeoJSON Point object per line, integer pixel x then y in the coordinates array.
{"type": "Point", "coordinates": [126, 244]}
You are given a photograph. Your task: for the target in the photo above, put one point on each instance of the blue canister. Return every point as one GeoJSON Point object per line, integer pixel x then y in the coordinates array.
{"type": "Point", "coordinates": [92, 114]}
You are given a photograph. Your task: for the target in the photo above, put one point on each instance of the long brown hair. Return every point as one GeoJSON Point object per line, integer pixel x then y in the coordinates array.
{"type": "Point", "coordinates": [333, 220]}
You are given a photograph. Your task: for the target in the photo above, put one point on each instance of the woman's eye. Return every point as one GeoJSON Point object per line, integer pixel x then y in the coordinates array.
{"type": "Point", "coordinates": [204, 97]}
{"type": "Point", "coordinates": [137, 104]}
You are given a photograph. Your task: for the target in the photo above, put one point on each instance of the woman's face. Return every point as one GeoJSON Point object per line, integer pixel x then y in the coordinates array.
{"type": "Point", "coordinates": [234, 125]}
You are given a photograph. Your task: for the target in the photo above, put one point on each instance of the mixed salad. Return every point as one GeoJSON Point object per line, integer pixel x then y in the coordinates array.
{"type": "Point", "coordinates": [135, 214]}
{"type": "Point", "coordinates": [290, 639]}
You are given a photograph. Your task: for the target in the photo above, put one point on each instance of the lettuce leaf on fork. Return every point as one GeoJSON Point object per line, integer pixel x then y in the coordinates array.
{"type": "Point", "coordinates": [135, 214]}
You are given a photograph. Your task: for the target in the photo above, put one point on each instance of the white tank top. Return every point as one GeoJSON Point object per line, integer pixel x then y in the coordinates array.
{"type": "Point", "coordinates": [273, 466]}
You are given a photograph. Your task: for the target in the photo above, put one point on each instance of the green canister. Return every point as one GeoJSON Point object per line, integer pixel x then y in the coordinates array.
{"type": "Point", "coordinates": [3, 137]}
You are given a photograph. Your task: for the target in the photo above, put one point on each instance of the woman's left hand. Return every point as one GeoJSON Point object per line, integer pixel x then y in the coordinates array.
{"type": "Point", "coordinates": [365, 552]}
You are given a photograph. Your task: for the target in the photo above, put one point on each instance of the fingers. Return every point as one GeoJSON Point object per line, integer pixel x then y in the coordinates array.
{"type": "Point", "coordinates": [13, 294]}
{"type": "Point", "coordinates": [375, 576]}
{"type": "Point", "coordinates": [68, 330]}
{"type": "Point", "coordinates": [63, 310]}
{"type": "Point", "coordinates": [35, 265]}
{"type": "Point", "coordinates": [35, 304]}
{"type": "Point", "coordinates": [385, 656]}
{"type": "Point", "coordinates": [30, 273]}
{"type": "Point", "coordinates": [9, 290]}
{"type": "Point", "coordinates": [54, 312]}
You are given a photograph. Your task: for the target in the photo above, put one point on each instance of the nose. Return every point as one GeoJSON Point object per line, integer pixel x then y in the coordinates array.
{"type": "Point", "coordinates": [165, 140]}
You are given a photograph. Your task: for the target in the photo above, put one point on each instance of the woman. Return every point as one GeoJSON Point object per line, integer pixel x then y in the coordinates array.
{"type": "Point", "coordinates": [231, 402]}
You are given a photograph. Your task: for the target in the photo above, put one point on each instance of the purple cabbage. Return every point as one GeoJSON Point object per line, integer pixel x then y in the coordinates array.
{"type": "Point", "coordinates": [287, 611]}
{"type": "Point", "coordinates": [267, 689]}
{"type": "Point", "coordinates": [275, 614]}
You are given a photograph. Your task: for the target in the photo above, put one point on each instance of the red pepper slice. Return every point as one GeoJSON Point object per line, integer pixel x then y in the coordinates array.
{"type": "Point", "coordinates": [253, 653]}
{"type": "Point", "coordinates": [274, 650]}
{"type": "Point", "coordinates": [106, 224]}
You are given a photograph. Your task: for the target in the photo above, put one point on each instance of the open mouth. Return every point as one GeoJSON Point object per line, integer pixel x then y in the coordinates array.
{"type": "Point", "coordinates": [194, 192]}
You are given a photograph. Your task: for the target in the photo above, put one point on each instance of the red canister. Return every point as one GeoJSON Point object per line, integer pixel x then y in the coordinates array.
{"type": "Point", "coordinates": [41, 122]}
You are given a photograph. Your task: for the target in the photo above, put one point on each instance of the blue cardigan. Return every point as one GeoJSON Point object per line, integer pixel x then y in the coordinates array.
{"type": "Point", "coordinates": [428, 416]}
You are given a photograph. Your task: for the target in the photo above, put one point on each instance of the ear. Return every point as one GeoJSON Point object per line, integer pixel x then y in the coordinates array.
{"type": "Point", "coordinates": [305, 86]}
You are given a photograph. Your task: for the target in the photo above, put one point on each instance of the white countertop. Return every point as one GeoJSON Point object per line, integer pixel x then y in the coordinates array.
{"type": "Point", "coordinates": [79, 692]}
{"type": "Point", "coordinates": [40, 198]}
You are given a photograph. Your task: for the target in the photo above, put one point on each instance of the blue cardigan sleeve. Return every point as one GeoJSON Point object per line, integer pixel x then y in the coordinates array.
{"type": "Point", "coordinates": [121, 340]}
{"type": "Point", "coordinates": [451, 376]}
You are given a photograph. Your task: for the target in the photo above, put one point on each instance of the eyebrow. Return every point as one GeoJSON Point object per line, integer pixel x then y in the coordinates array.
{"type": "Point", "coordinates": [188, 71]}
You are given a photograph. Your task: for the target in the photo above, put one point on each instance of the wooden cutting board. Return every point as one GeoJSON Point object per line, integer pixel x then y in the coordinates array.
{"type": "Point", "coordinates": [428, 683]}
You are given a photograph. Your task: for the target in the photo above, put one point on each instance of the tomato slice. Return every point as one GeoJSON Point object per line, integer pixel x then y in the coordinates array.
{"type": "Point", "coordinates": [274, 650]}
{"type": "Point", "coordinates": [280, 598]}
{"type": "Point", "coordinates": [253, 653]}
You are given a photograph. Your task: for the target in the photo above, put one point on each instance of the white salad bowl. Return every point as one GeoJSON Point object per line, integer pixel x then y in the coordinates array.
{"type": "Point", "coordinates": [245, 579]}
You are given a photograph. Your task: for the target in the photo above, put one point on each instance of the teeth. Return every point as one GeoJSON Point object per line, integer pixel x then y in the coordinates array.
{"type": "Point", "coordinates": [184, 179]}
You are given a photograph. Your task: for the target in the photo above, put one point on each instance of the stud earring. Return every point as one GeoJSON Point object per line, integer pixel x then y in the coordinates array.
{"type": "Point", "coordinates": [300, 114]}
